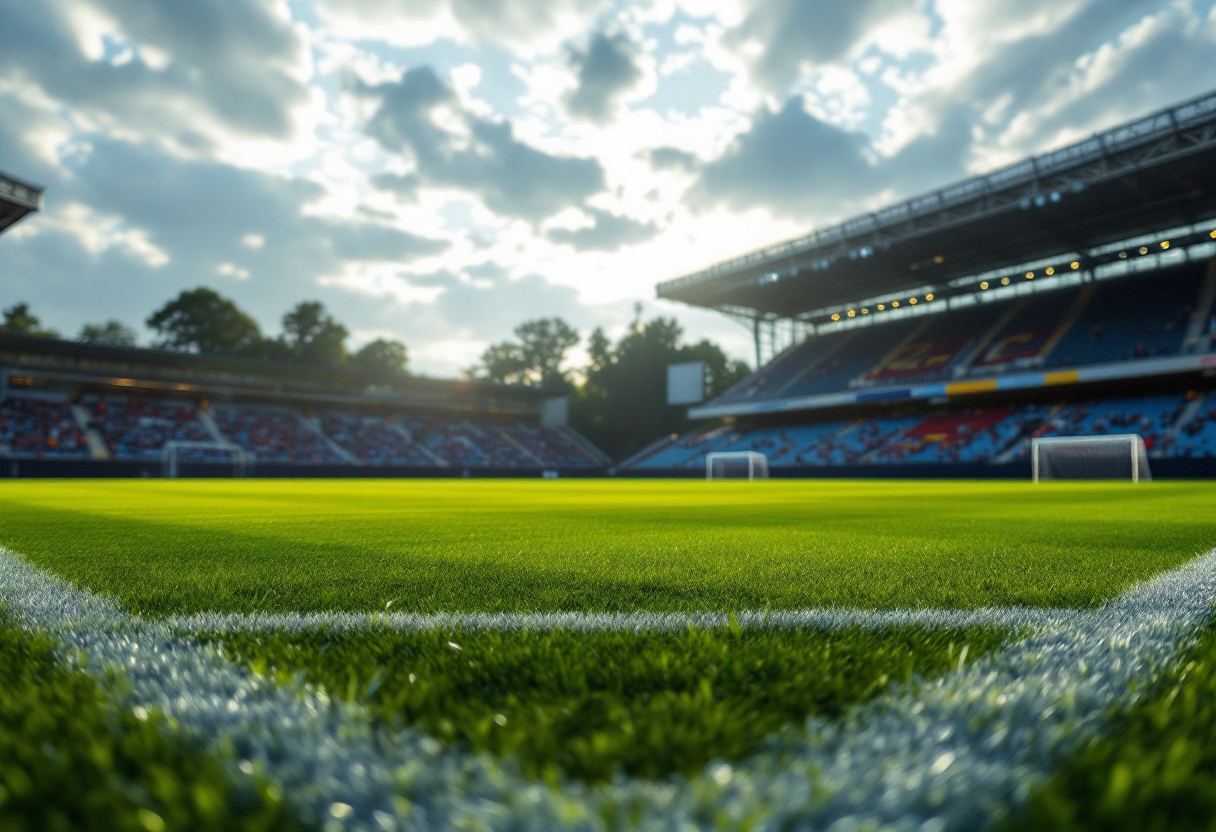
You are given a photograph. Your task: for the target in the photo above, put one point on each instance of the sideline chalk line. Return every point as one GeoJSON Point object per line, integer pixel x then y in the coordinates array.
{"type": "Point", "coordinates": [954, 754]}
{"type": "Point", "coordinates": [1012, 618]}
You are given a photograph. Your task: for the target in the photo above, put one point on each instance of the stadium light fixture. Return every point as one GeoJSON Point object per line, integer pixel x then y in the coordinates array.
{"type": "Point", "coordinates": [1123, 255]}
{"type": "Point", "coordinates": [1165, 244]}
{"type": "Point", "coordinates": [881, 307]}
{"type": "Point", "coordinates": [984, 285]}
{"type": "Point", "coordinates": [1213, 234]}
{"type": "Point", "coordinates": [1075, 265]}
{"type": "Point", "coordinates": [912, 301]}
{"type": "Point", "coordinates": [1030, 275]}
{"type": "Point", "coordinates": [835, 316]}
{"type": "Point", "coordinates": [1050, 271]}
{"type": "Point", "coordinates": [929, 296]}
{"type": "Point", "coordinates": [1144, 249]}
{"type": "Point", "coordinates": [865, 311]}
{"type": "Point", "coordinates": [1004, 281]}
{"type": "Point", "coordinates": [852, 313]}
{"type": "Point", "coordinates": [894, 304]}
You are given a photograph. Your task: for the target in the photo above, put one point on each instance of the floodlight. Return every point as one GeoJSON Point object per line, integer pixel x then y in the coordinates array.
{"type": "Point", "coordinates": [882, 306]}
{"type": "Point", "coordinates": [1050, 271]}
{"type": "Point", "coordinates": [929, 296]}
{"type": "Point", "coordinates": [835, 316]}
{"type": "Point", "coordinates": [912, 301]}
{"type": "Point", "coordinates": [1144, 249]}
{"type": "Point", "coordinates": [984, 285]}
{"type": "Point", "coordinates": [894, 304]}
{"type": "Point", "coordinates": [1075, 264]}
{"type": "Point", "coordinates": [1165, 244]}
{"type": "Point", "coordinates": [1004, 281]}
{"type": "Point", "coordinates": [852, 313]}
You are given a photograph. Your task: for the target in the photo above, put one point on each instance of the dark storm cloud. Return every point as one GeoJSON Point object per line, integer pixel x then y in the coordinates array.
{"type": "Point", "coordinates": [606, 69]}
{"type": "Point", "coordinates": [512, 178]}
{"type": "Point", "coordinates": [608, 232]}
{"type": "Point", "coordinates": [231, 62]}
{"type": "Point", "coordinates": [780, 37]}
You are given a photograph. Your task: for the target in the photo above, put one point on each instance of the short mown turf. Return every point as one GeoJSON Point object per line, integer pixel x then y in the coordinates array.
{"type": "Point", "coordinates": [181, 546]}
{"type": "Point", "coordinates": [589, 705]}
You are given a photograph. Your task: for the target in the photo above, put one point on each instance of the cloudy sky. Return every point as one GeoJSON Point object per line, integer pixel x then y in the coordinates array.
{"type": "Point", "coordinates": [438, 170]}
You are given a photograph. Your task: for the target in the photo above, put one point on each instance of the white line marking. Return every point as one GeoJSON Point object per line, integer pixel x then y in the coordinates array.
{"type": "Point", "coordinates": [826, 619]}
{"type": "Point", "coordinates": [952, 755]}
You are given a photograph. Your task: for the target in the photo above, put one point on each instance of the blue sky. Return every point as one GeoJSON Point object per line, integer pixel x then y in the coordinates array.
{"type": "Point", "coordinates": [437, 171]}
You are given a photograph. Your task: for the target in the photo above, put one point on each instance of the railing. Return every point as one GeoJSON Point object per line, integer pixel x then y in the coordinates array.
{"type": "Point", "coordinates": [19, 192]}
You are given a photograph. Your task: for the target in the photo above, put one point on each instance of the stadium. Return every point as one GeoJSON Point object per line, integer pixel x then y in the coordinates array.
{"type": "Point", "coordinates": [963, 579]}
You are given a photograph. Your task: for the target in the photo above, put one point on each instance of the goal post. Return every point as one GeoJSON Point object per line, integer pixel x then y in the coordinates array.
{"type": "Point", "coordinates": [172, 450]}
{"type": "Point", "coordinates": [736, 465]}
{"type": "Point", "coordinates": [1119, 456]}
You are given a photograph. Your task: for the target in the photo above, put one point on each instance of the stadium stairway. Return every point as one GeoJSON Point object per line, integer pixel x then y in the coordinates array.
{"type": "Point", "coordinates": [585, 445]}
{"type": "Point", "coordinates": [1184, 417]}
{"type": "Point", "coordinates": [422, 449]}
{"type": "Point", "coordinates": [212, 428]}
{"type": "Point", "coordinates": [1194, 340]}
{"type": "Point", "coordinates": [510, 440]}
{"type": "Point", "coordinates": [97, 445]}
{"type": "Point", "coordinates": [315, 426]}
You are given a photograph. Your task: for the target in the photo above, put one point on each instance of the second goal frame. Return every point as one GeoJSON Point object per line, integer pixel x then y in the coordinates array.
{"type": "Point", "coordinates": [1137, 454]}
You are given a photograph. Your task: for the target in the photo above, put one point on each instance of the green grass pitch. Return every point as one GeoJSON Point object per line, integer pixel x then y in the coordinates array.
{"type": "Point", "coordinates": [586, 706]}
{"type": "Point", "coordinates": [169, 547]}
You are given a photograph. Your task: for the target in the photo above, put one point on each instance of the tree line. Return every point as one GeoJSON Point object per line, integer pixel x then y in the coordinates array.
{"type": "Point", "coordinates": [618, 398]}
{"type": "Point", "coordinates": [205, 322]}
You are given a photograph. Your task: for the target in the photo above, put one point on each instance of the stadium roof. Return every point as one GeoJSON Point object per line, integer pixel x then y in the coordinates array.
{"type": "Point", "coordinates": [16, 200]}
{"type": "Point", "coordinates": [1151, 174]}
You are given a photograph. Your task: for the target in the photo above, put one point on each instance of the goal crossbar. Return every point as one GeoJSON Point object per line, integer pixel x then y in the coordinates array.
{"type": "Point", "coordinates": [172, 449]}
{"type": "Point", "coordinates": [1107, 456]}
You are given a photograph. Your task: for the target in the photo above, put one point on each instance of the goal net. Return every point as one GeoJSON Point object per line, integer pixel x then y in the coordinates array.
{"type": "Point", "coordinates": [1111, 457]}
{"type": "Point", "coordinates": [736, 465]}
{"type": "Point", "coordinates": [213, 452]}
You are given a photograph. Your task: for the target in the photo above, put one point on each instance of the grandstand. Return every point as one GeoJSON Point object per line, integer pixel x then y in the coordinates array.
{"type": "Point", "coordinates": [17, 200]}
{"type": "Point", "coordinates": [1071, 293]}
{"type": "Point", "coordinates": [68, 408]}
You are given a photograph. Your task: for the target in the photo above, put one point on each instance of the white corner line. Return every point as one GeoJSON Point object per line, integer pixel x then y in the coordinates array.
{"type": "Point", "coordinates": [954, 754]}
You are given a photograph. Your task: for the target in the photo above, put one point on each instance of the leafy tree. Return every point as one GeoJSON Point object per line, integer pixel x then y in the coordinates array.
{"type": "Point", "coordinates": [312, 336]}
{"type": "Point", "coordinates": [535, 359]}
{"type": "Point", "coordinates": [112, 333]}
{"type": "Point", "coordinates": [381, 356]}
{"type": "Point", "coordinates": [18, 319]}
{"type": "Point", "coordinates": [622, 406]}
{"type": "Point", "coordinates": [201, 320]}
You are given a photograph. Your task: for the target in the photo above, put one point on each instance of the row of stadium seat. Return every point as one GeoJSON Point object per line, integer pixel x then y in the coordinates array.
{"type": "Point", "coordinates": [1113, 320]}
{"type": "Point", "coordinates": [1172, 426]}
{"type": "Point", "coordinates": [134, 428]}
